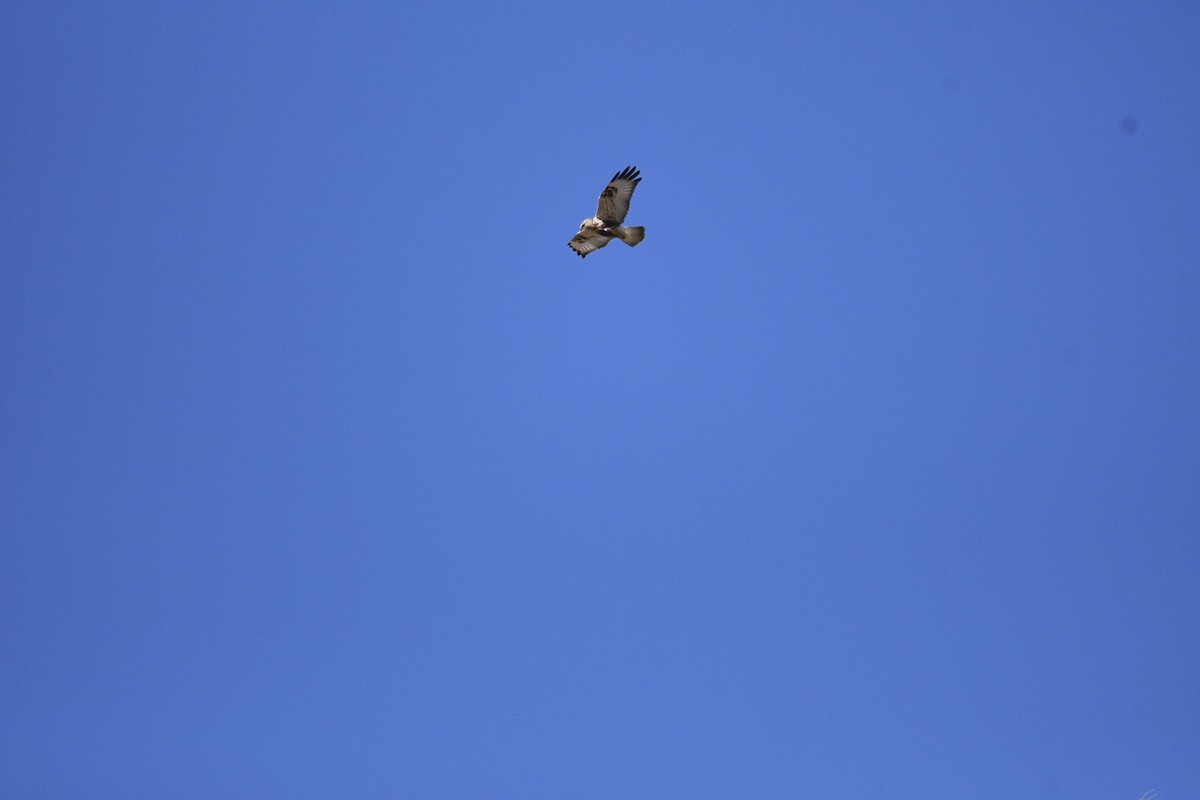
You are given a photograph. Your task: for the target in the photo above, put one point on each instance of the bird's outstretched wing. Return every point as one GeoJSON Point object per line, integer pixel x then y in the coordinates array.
{"type": "Point", "coordinates": [588, 240]}
{"type": "Point", "coordinates": [614, 200]}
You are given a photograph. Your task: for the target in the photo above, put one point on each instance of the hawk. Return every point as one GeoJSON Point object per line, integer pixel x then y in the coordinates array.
{"type": "Point", "coordinates": [601, 229]}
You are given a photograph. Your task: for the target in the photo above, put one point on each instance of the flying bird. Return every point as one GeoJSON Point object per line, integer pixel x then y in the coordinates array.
{"type": "Point", "coordinates": [601, 229]}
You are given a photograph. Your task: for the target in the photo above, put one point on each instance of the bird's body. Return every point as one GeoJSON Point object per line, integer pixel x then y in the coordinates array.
{"type": "Point", "coordinates": [601, 229]}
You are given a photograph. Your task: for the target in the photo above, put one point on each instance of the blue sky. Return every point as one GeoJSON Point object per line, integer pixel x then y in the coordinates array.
{"type": "Point", "coordinates": [329, 471]}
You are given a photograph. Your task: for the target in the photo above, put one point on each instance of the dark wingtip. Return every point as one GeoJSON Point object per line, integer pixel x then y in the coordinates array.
{"type": "Point", "coordinates": [627, 174]}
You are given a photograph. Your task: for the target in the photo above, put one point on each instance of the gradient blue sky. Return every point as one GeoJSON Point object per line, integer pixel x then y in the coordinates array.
{"type": "Point", "coordinates": [329, 471]}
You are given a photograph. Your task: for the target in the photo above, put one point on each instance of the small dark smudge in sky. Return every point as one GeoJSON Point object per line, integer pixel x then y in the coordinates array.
{"type": "Point", "coordinates": [1129, 124]}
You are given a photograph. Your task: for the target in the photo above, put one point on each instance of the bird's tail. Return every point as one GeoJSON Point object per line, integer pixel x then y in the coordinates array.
{"type": "Point", "coordinates": [631, 236]}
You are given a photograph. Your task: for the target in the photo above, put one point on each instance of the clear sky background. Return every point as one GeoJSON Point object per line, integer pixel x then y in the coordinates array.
{"type": "Point", "coordinates": [329, 471]}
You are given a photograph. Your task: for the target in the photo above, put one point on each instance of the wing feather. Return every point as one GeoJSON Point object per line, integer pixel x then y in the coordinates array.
{"type": "Point", "coordinates": [588, 240]}
{"type": "Point", "coordinates": [614, 200]}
